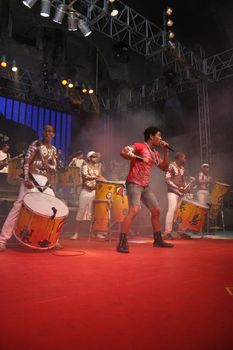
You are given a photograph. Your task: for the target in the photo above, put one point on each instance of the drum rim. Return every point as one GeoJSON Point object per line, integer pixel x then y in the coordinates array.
{"type": "Point", "coordinates": [196, 203]}
{"type": "Point", "coordinates": [111, 182]}
{"type": "Point", "coordinates": [221, 183]}
{"type": "Point", "coordinates": [45, 216]}
{"type": "Point", "coordinates": [32, 247]}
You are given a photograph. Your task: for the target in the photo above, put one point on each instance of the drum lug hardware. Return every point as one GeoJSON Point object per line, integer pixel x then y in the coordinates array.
{"type": "Point", "coordinates": [54, 213]}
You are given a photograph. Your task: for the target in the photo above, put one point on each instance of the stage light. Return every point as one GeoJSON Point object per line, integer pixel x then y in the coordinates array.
{"type": "Point", "coordinates": [45, 8]}
{"type": "Point", "coordinates": [64, 82]}
{"type": "Point", "coordinates": [29, 3]}
{"type": "Point", "coordinates": [113, 11]}
{"type": "Point", "coordinates": [169, 11]}
{"type": "Point", "coordinates": [85, 30]}
{"type": "Point", "coordinates": [84, 89]}
{"type": "Point", "coordinates": [169, 23]}
{"type": "Point", "coordinates": [171, 35]}
{"type": "Point", "coordinates": [111, 1]}
{"type": "Point", "coordinates": [3, 62]}
{"type": "Point", "coordinates": [72, 21]}
{"type": "Point", "coordinates": [59, 13]}
{"type": "Point", "coordinates": [90, 91]}
{"type": "Point", "coordinates": [70, 84]}
{"type": "Point", "coordinates": [14, 67]}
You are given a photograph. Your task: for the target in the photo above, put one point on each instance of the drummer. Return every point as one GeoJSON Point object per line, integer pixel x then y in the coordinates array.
{"type": "Point", "coordinates": [4, 157]}
{"type": "Point", "coordinates": [204, 182]}
{"type": "Point", "coordinates": [77, 160]}
{"type": "Point", "coordinates": [91, 171]}
{"type": "Point", "coordinates": [175, 180]}
{"type": "Point", "coordinates": [39, 161]}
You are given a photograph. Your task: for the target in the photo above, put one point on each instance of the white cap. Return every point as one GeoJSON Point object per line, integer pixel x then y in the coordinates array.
{"type": "Point", "coordinates": [89, 154]}
{"type": "Point", "coordinates": [205, 165]}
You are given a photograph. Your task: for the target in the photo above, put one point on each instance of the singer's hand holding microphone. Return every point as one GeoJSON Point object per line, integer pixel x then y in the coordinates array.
{"type": "Point", "coordinates": [164, 144]}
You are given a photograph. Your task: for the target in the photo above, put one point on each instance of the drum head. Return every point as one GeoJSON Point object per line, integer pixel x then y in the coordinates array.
{"type": "Point", "coordinates": [42, 203]}
{"type": "Point", "coordinates": [195, 204]}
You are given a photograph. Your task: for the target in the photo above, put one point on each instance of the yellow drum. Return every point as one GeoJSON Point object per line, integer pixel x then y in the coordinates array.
{"type": "Point", "coordinates": [101, 216]}
{"type": "Point", "coordinates": [15, 169]}
{"type": "Point", "coordinates": [107, 189]}
{"type": "Point", "coordinates": [113, 191]}
{"type": "Point", "coordinates": [119, 205]}
{"type": "Point", "coordinates": [190, 216]}
{"type": "Point", "coordinates": [70, 176]}
{"type": "Point", "coordinates": [216, 199]}
{"type": "Point", "coordinates": [40, 221]}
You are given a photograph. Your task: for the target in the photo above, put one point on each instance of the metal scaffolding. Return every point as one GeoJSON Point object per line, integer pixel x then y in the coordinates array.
{"type": "Point", "coordinates": [191, 70]}
{"type": "Point", "coordinates": [204, 122]}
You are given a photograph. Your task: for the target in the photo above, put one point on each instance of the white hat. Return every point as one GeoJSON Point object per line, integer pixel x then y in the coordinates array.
{"type": "Point", "coordinates": [89, 154]}
{"type": "Point", "coordinates": [205, 165]}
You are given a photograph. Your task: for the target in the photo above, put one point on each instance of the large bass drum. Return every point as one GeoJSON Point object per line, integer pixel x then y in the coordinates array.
{"type": "Point", "coordinates": [190, 216]}
{"type": "Point", "coordinates": [40, 221]}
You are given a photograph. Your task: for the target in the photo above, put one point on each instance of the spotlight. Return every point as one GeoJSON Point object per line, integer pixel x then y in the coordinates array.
{"type": "Point", "coordinates": [84, 89]}
{"type": "Point", "coordinates": [169, 23]}
{"type": "Point", "coordinates": [3, 62]}
{"type": "Point", "coordinates": [14, 67]}
{"type": "Point", "coordinates": [111, 1]}
{"type": "Point", "coordinates": [45, 8]}
{"type": "Point", "coordinates": [169, 11]}
{"type": "Point", "coordinates": [70, 84]}
{"type": "Point", "coordinates": [90, 91]}
{"type": "Point", "coordinates": [59, 14]}
{"type": "Point", "coordinates": [72, 21]}
{"type": "Point", "coordinates": [113, 11]}
{"type": "Point", "coordinates": [171, 35]}
{"type": "Point", "coordinates": [29, 3]}
{"type": "Point", "coordinates": [85, 30]}
{"type": "Point", "coordinates": [64, 82]}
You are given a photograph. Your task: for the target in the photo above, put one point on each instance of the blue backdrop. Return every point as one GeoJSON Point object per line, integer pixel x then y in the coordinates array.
{"type": "Point", "coordinates": [36, 117]}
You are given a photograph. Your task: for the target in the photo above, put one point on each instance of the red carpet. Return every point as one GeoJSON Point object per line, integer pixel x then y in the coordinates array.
{"type": "Point", "coordinates": [148, 299]}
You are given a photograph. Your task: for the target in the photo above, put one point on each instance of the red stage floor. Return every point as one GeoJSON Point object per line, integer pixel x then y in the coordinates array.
{"type": "Point", "coordinates": [149, 299]}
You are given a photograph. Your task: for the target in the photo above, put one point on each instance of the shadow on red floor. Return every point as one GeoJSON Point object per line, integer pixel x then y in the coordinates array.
{"type": "Point", "coordinates": [148, 299]}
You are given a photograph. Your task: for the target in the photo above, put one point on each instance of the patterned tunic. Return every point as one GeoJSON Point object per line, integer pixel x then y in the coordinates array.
{"type": "Point", "coordinates": [89, 176]}
{"type": "Point", "coordinates": [175, 178]}
{"type": "Point", "coordinates": [35, 153]}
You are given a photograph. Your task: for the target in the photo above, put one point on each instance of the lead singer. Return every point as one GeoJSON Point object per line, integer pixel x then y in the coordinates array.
{"type": "Point", "coordinates": [142, 157]}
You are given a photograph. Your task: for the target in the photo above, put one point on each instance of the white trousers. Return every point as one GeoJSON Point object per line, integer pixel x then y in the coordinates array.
{"type": "Point", "coordinates": [85, 206]}
{"type": "Point", "coordinates": [173, 203]}
{"type": "Point", "coordinates": [203, 197]}
{"type": "Point", "coordinates": [11, 220]}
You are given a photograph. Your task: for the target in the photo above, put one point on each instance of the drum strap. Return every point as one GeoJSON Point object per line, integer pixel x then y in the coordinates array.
{"type": "Point", "coordinates": [40, 188]}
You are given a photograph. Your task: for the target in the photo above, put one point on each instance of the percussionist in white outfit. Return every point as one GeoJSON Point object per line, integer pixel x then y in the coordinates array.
{"type": "Point", "coordinates": [204, 182]}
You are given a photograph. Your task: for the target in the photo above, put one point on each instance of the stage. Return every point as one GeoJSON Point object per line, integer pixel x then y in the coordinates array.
{"type": "Point", "coordinates": [87, 296]}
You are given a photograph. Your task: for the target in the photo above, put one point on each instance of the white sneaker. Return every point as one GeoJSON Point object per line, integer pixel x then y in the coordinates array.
{"type": "Point", "coordinates": [100, 235]}
{"type": "Point", "coordinates": [2, 247]}
{"type": "Point", "coordinates": [58, 246]}
{"type": "Point", "coordinates": [75, 236]}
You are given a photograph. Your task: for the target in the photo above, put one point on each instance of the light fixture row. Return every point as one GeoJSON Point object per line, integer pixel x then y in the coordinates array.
{"type": "Point", "coordinates": [169, 24]}
{"type": "Point", "coordinates": [69, 84]}
{"type": "Point", "coordinates": [4, 64]}
{"type": "Point", "coordinates": [75, 21]}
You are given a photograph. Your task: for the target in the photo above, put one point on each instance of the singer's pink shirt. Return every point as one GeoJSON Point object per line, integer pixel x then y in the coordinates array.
{"type": "Point", "coordinates": [140, 172]}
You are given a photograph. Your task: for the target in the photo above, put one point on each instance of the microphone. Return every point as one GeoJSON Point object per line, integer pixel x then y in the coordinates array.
{"type": "Point", "coordinates": [167, 146]}
{"type": "Point", "coordinates": [170, 149]}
